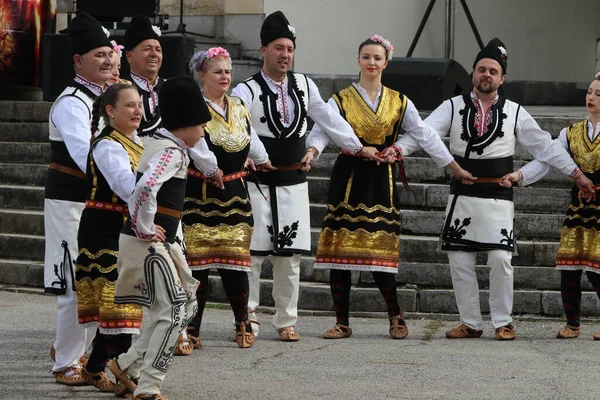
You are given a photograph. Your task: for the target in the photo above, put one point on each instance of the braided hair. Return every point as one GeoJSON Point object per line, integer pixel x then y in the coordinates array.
{"type": "Point", "coordinates": [108, 98]}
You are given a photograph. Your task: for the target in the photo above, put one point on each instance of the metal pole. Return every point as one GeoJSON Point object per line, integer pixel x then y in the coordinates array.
{"type": "Point", "coordinates": [449, 29]}
{"type": "Point", "coordinates": [472, 23]}
{"type": "Point", "coordinates": [413, 45]}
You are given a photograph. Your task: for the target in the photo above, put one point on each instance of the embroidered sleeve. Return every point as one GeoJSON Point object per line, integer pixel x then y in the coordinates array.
{"type": "Point", "coordinates": [329, 124]}
{"type": "Point", "coordinates": [204, 159]}
{"type": "Point", "coordinates": [539, 144]}
{"type": "Point", "coordinates": [142, 204]}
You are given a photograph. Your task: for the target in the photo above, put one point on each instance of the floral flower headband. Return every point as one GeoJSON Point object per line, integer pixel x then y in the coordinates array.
{"type": "Point", "coordinates": [597, 75]}
{"type": "Point", "coordinates": [385, 43]}
{"type": "Point", "coordinates": [117, 48]}
{"type": "Point", "coordinates": [200, 57]}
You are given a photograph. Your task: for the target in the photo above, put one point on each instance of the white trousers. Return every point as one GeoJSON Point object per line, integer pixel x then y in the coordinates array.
{"type": "Point", "coordinates": [286, 287]}
{"type": "Point", "coordinates": [149, 356]}
{"type": "Point", "coordinates": [466, 289]}
{"type": "Point", "coordinates": [61, 222]}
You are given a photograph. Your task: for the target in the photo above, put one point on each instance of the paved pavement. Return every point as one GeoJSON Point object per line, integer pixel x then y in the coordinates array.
{"type": "Point", "coordinates": [369, 365]}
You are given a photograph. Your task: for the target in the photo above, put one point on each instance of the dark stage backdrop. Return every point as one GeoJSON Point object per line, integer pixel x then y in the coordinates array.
{"type": "Point", "coordinates": [22, 27]}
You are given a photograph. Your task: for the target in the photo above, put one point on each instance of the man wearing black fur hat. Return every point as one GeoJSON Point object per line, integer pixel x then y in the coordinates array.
{"type": "Point", "coordinates": [65, 193]}
{"type": "Point", "coordinates": [144, 55]}
{"type": "Point", "coordinates": [483, 127]}
{"type": "Point", "coordinates": [153, 271]}
{"type": "Point", "coordinates": [279, 102]}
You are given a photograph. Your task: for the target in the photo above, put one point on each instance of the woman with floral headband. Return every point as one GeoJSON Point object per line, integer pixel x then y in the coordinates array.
{"type": "Point", "coordinates": [217, 221]}
{"type": "Point", "coordinates": [361, 230]}
{"type": "Point", "coordinates": [116, 63]}
{"type": "Point", "coordinates": [579, 248]}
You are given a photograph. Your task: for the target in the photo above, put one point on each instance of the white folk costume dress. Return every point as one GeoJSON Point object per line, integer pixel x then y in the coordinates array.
{"type": "Point", "coordinates": [151, 120]}
{"type": "Point", "coordinates": [278, 111]}
{"type": "Point", "coordinates": [64, 198]}
{"type": "Point", "coordinates": [217, 223]}
{"type": "Point", "coordinates": [479, 217]}
{"type": "Point", "coordinates": [579, 241]}
{"type": "Point", "coordinates": [111, 169]}
{"type": "Point", "coordinates": [155, 274]}
{"type": "Point", "coordinates": [361, 230]}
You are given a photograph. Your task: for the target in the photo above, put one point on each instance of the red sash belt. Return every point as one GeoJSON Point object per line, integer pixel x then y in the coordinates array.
{"type": "Point", "coordinates": [101, 205]}
{"type": "Point", "coordinates": [399, 160]}
{"type": "Point", "coordinates": [226, 178]}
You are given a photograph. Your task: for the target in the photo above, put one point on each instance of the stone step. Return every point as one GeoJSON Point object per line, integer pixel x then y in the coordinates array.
{"type": "Point", "coordinates": [25, 152]}
{"type": "Point", "coordinates": [29, 111]}
{"type": "Point", "coordinates": [22, 272]}
{"type": "Point", "coordinates": [36, 132]}
{"type": "Point", "coordinates": [23, 174]}
{"type": "Point", "coordinates": [22, 247]}
{"type": "Point", "coordinates": [22, 222]}
{"type": "Point", "coordinates": [21, 197]}
{"type": "Point", "coordinates": [317, 296]}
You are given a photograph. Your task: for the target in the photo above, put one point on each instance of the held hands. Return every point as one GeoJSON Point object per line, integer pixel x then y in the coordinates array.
{"type": "Point", "coordinates": [370, 153]}
{"type": "Point", "coordinates": [389, 155]}
{"type": "Point", "coordinates": [508, 179]}
{"type": "Point", "coordinates": [250, 164]}
{"type": "Point", "coordinates": [311, 152]}
{"type": "Point", "coordinates": [267, 166]}
{"type": "Point", "coordinates": [217, 180]}
{"type": "Point", "coordinates": [160, 235]}
{"type": "Point", "coordinates": [461, 174]}
{"type": "Point", "coordinates": [588, 193]}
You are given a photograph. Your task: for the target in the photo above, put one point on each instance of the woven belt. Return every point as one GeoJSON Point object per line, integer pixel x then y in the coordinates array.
{"type": "Point", "coordinates": [101, 205]}
{"type": "Point", "coordinates": [226, 178]}
{"type": "Point", "coordinates": [481, 179]}
{"type": "Point", "coordinates": [67, 170]}
{"type": "Point", "coordinates": [290, 167]}
{"type": "Point", "coordinates": [169, 212]}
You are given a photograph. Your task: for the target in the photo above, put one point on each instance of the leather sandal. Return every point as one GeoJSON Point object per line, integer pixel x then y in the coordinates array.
{"type": "Point", "coordinates": [71, 377]}
{"type": "Point", "coordinates": [568, 332]}
{"type": "Point", "coordinates": [244, 337]}
{"type": "Point", "coordinates": [339, 331]}
{"type": "Point", "coordinates": [196, 343]}
{"type": "Point", "coordinates": [184, 346]}
{"type": "Point", "coordinates": [398, 328]}
{"type": "Point", "coordinates": [288, 334]}
{"type": "Point", "coordinates": [596, 336]}
{"type": "Point", "coordinates": [463, 332]}
{"type": "Point", "coordinates": [100, 381]}
{"type": "Point", "coordinates": [122, 377]}
{"type": "Point", "coordinates": [506, 332]}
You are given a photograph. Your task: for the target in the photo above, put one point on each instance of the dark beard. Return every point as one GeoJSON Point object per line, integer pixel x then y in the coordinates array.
{"type": "Point", "coordinates": [489, 89]}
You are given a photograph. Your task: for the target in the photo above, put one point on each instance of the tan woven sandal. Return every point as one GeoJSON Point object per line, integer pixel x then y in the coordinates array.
{"type": "Point", "coordinates": [184, 346]}
{"type": "Point", "coordinates": [339, 331]}
{"type": "Point", "coordinates": [398, 328]}
{"type": "Point", "coordinates": [71, 377]}
{"type": "Point", "coordinates": [196, 343]}
{"type": "Point", "coordinates": [243, 335]}
{"type": "Point", "coordinates": [100, 381]}
{"type": "Point", "coordinates": [596, 336]}
{"type": "Point", "coordinates": [506, 332]}
{"type": "Point", "coordinates": [463, 332]}
{"type": "Point", "coordinates": [568, 332]}
{"type": "Point", "coordinates": [288, 334]}
{"type": "Point", "coordinates": [122, 377]}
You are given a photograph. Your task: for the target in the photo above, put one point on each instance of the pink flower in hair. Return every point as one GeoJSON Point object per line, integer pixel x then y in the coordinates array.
{"type": "Point", "coordinates": [597, 75]}
{"type": "Point", "coordinates": [217, 52]}
{"type": "Point", "coordinates": [385, 43]}
{"type": "Point", "coordinates": [117, 48]}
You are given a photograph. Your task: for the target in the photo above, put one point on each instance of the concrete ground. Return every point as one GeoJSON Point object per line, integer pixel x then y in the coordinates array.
{"type": "Point", "coordinates": [369, 365]}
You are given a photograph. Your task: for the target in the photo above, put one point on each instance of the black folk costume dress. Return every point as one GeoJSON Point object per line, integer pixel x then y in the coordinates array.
{"type": "Point", "coordinates": [99, 230]}
{"type": "Point", "coordinates": [64, 197]}
{"type": "Point", "coordinates": [361, 229]}
{"type": "Point", "coordinates": [217, 223]}
{"type": "Point", "coordinates": [579, 249]}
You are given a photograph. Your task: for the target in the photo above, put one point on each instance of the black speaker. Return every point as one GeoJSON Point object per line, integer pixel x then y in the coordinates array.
{"type": "Point", "coordinates": [427, 81]}
{"type": "Point", "coordinates": [57, 63]}
{"type": "Point", "coordinates": [115, 10]}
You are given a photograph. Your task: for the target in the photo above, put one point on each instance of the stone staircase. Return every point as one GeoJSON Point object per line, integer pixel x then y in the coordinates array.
{"type": "Point", "coordinates": [424, 283]}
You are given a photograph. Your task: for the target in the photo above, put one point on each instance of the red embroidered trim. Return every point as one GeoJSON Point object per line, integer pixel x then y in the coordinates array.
{"type": "Point", "coordinates": [144, 194]}
{"type": "Point", "coordinates": [212, 260]}
{"type": "Point", "coordinates": [358, 261]}
{"type": "Point", "coordinates": [100, 205]}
